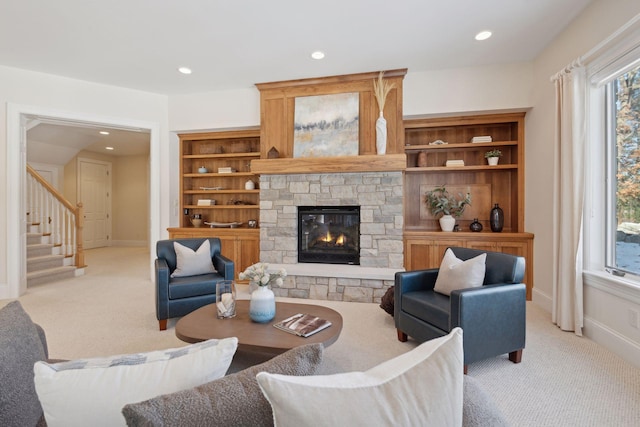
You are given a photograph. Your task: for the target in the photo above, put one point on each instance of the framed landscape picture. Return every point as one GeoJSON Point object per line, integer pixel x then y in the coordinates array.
{"type": "Point", "coordinates": [326, 125]}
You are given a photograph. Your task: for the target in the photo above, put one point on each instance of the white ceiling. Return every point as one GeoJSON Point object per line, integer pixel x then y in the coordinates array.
{"type": "Point", "coordinates": [234, 44]}
{"type": "Point", "coordinates": [139, 44]}
{"type": "Point", "coordinates": [57, 142]}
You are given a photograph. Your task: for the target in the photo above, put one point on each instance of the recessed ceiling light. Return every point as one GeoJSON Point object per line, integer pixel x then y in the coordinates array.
{"type": "Point", "coordinates": [185, 70]}
{"type": "Point", "coordinates": [104, 132]}
{"type": "Point", "coordinates": [109, 148]}
{"type": "Point", "coordinates": [483, 35]}
{"type": "Point", "coordinates": [317, 54]}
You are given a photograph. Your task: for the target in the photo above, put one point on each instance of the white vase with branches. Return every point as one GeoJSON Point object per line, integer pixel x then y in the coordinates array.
{"type": "Point", "coordinates": [381, 88]}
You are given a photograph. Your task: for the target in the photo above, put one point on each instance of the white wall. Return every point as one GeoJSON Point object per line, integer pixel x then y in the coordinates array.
{"type": "Point", "coordinates": [605, 312]}
{"type": "Point", "coordinates": [465, 90]}
{"type": "Point", "coordinates": [594, 25]}
{"type": "Point", "coordinates": [215, 110]}
{"type": "Point", "coordinates": [71, 97]}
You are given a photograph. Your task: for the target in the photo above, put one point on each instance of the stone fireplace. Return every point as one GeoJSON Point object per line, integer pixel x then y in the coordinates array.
{"type": "Point", "coordinates": [379, 197]}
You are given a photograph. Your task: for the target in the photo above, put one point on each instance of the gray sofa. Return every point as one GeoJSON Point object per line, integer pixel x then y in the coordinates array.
{"type": "Point", "coordinates": [235, 399]}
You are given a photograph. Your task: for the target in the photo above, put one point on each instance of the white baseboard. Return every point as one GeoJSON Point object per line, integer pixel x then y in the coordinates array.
{"type": "Point", "coordinates": [612, 340]}
{"type": "Point", "coordinates": [543, 301]}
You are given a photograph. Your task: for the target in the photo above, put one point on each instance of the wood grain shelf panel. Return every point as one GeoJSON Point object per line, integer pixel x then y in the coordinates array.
{"type": "Point", "coordinates": [460, 168]}
{"type": "Point", "coordinates": [363, 163]}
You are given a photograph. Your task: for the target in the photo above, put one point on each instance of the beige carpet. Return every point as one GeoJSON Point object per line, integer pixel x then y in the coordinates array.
{"type": "Point", "coordinates": [563, 380]}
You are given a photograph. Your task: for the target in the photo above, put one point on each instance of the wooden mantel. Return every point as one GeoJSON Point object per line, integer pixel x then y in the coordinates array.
{"type": "Point", "coordinates": [343, 164]}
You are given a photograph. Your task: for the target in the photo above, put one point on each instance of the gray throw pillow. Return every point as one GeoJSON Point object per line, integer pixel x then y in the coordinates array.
{"type": "Point", "coordinates": [479, 410]}
{"type": "Point", "coordinates": [234, 400]}
{"type": "Point", "coordinates": [20, 348]}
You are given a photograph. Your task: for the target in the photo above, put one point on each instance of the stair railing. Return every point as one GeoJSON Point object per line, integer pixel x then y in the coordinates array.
{"type": "Point", "coordinates": [57, 217]}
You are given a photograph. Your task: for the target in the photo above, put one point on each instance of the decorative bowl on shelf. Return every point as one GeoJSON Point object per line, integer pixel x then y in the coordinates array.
{"type": "Point", "coordinates": [202, 169]}
{"type": "Point", "coordinates": [223, 224]}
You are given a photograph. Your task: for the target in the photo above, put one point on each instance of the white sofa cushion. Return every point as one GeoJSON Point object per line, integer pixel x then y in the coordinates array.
{"type": "Point", "coordinates": [92, 392]}
{"type": "Point", "coordinates": [192, 263]}
{"type": "Point", "coordinates": [455, 273]}
{"type": "Point", "coordinates": [421, 387]}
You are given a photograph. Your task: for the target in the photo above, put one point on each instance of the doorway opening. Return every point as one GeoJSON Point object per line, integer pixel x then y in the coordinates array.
{"type": "Point", "coordinates": [19, 120]}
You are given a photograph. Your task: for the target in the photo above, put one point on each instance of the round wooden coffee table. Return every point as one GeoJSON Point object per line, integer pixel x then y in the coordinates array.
{"type": "Point", "coordinates": [202, 324]}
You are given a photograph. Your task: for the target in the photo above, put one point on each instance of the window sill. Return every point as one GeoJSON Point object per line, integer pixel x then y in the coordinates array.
{"type": "Point", "coordinates": [618, 286]}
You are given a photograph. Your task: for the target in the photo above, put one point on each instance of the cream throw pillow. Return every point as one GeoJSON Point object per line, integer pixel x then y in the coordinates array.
{"type": "Point", "coordinates": [192, 263]}
{"type": "Point", "coordinates": [422, 387]}
{"type": "Point", "coordinates": [455, 273]}
{"type": "Point", "coordinates": [92, 392]}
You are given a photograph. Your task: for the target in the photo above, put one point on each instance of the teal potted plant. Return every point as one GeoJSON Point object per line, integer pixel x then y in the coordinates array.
{"type": "Point", "coordinates": [440, 201]}
{"type": "Point", "coordinates": [492, 156]}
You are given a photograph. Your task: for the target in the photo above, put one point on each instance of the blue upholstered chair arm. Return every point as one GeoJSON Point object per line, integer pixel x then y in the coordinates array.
{"type": "Point", "coordinates": [409, 281]}
{"type": "Point", "coordinates": [224, 266]}
{"type": "Point", "coordinates": [162, 288]}
{"type": "Point", "coordinates": [492, 317]}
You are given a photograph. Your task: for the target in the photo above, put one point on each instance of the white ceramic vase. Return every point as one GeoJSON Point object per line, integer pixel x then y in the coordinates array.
{"type": "Point", "coordinates": [447, 222]}
{"type": "Point", "coordinates": [262, 307]}
{"type": "Point", "coordinates": [493, 160]}
{"type": "Point", "coordinates": [381, 135]}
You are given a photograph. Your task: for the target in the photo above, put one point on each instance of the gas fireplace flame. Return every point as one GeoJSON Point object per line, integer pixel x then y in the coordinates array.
{"type": "Point", "coordinates": [340, 241]}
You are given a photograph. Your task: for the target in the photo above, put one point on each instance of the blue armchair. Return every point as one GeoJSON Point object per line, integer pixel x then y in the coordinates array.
{"type": "Point", "coordinates": [492, 316]}
{"type": "Point", "coordinates": [177, 296]}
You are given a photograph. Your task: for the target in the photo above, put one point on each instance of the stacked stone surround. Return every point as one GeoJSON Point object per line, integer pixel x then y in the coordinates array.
{"type": "Point", "coordinates": [379, 195]}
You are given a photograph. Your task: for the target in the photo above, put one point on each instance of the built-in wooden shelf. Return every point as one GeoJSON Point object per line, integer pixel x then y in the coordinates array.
{"type": "Point", "coordinates": [363, 163]}
{"type": "Point", "coordinates": [460, 168]}
{"type": "Point", "coordinates": [223, 207]}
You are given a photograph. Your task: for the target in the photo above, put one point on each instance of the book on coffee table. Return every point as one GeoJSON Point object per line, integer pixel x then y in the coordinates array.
{"type": "Point", "coordinates": [303, 325]}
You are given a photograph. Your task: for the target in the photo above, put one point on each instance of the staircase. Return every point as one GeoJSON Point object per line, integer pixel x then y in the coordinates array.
{"type": "Point", "coordinates": [45, 263]}
{"type": "Point", "coordinates": [54, 233]}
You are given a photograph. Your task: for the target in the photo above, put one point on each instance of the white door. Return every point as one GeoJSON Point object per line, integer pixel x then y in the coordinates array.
{"type": "Point", "coordinates": [94, 190]}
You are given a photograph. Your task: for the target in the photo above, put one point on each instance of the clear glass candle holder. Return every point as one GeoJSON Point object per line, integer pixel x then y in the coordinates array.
{"type": "Point", "coordinates": [225, 299]}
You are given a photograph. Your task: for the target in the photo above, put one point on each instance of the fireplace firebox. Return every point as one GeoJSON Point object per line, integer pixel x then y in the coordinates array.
{"type": "Point", "coordinates": [329, 234]}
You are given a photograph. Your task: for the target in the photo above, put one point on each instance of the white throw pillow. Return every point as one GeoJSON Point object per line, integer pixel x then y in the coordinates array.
{"type": "Point", "coordinates": [192, 263]}
{"type": "Point", "coordinates": [455, 273]}
{"type": "Point", "coordinates": [92, 392]}
{"type": "Point", "coordinates": [421, 387]}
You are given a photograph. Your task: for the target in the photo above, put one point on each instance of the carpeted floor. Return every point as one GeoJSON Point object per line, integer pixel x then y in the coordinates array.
{"type": "Point", "coordinates": [563, 380]}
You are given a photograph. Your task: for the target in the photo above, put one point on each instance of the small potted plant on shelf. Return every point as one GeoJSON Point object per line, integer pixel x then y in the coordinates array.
{"type": "Point", "coordinates": [492, 156]}
{"type": "Point", "coordinates": [440, 201]}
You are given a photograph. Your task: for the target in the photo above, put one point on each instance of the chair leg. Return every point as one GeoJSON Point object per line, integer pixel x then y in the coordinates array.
{"type": "Point", "coordinates": [163, 324]}
{"type": "Point", "coordinates": [466, 368]}
{"type": "Point", "coordinates": [516, 356]}
{"type": "Point", "coordinates": [402, 337]}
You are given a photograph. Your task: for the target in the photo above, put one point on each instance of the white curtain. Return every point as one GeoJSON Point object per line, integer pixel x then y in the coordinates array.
{"type": "Point", "coordinates": [570, 145]}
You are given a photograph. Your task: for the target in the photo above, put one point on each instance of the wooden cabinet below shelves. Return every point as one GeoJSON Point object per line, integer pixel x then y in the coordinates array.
{"type": "Point", "coordinates": [425, 249]}
{"type": "Point", "coordinates": [242, 245]}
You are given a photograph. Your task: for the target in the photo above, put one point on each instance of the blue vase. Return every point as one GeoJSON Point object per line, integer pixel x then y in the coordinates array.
{"type": "Point", "coordinates": [262, 307]}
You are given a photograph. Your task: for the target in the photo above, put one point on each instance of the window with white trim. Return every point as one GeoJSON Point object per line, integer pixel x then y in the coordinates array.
{"type": "Point", "coordinates": [612, 190]}
{"type": "Point", "coordinates": [622, 232]}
